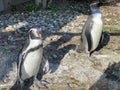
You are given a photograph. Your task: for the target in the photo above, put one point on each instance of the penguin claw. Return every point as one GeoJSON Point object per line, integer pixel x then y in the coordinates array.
{"type": "Point", "coordinates": [22, 86]}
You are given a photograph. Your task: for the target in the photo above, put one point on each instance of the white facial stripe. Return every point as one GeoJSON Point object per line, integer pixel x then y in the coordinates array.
{"type": "Point", "coordinates": [32, 44]}
{"type": "Point", "coordinates": [34, 29]}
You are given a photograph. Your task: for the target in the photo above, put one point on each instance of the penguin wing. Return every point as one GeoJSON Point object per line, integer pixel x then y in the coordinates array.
{"type": "Point", "coordinates": [45, 64]}
{"type": "Point", "coordinates": [89, 26]}
{"type": "Point", "coordinates": [21, 60]}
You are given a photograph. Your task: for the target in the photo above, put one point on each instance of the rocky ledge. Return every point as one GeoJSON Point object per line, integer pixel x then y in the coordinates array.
{"type": "Point", "coordinates": [69, 70]}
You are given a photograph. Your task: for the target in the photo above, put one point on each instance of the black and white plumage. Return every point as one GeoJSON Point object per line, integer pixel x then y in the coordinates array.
{"type": "Point", "coordinates": [31, 56]}
{"type": "Point", "coordinates": [92, 30]}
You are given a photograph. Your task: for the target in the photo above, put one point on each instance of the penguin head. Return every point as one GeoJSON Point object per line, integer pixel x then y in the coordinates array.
{"type": "Point", "coordinates": [95, 7]}
{"type": "Point", "coordinates": [35, 33]}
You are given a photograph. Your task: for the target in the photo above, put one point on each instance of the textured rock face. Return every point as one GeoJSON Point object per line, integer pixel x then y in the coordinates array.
{"type": "Point", "coordinates": [8, 68]}
{"type": "Point", "coordinates": [69, 70]}
{"type": "Point", "coordinates": [77, 71]}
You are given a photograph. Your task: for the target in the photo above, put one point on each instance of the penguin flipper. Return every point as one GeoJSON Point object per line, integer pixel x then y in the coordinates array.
{"type": "Point", "coordinates": [21, 60]}
{"type": "Point", "coordinates": [45, 65]}
{"type": "Point", "coordinates": [89, 36]}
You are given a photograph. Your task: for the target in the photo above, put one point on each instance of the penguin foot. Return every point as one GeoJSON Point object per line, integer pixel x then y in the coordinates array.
{"type": "Point", "coordinates": [22, 86]}
{"type": "Point", "coordinates": [40, 84]}
{"type": "Point", "coordinates": [92, 59]}
{"type": "Point", "coordinates": [79, 49]}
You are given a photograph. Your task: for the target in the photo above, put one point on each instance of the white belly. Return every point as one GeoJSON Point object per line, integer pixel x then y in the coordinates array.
{"type": "Point", "coordinates": [31, 64]}
{"type": "Point", "coordinates": [96, 33]}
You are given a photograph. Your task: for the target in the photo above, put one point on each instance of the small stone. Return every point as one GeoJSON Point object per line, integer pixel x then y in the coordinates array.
{"type": "Point", "coordinates": [118, 4]}
{"type": "Point", "coordinates": [54, 56]}
{"type": "Point", "coordinates": [10, 38]}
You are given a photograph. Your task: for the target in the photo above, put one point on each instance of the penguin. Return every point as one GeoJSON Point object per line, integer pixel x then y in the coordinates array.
{"type": "Point", "coordinates": [92, 30]}
{"type": "Point", "coordinates": [31, 57]}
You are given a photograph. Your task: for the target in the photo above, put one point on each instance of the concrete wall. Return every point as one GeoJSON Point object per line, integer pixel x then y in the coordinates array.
{"type": "Point", "coordinates": [5, 4]}
{"type": "Point", "coordinates": [1, 5]}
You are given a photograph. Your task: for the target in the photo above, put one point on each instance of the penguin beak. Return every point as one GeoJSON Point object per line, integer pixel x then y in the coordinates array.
{"type": "Point", "coordinates": [36, 33]}
{"type": "Point", "coordinates": [94, 4]}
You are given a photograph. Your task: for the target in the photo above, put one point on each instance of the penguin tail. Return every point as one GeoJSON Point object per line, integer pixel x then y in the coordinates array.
{"type": "Point", "coordinates": [91, 53]}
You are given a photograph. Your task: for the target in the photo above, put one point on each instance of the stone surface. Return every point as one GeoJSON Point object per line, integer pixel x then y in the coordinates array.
{"type": "Point", "coordinates": [69, 70]}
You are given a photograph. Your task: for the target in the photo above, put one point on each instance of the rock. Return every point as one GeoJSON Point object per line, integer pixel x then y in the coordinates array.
{"type": "Point", "coordinates": [69, 70]}
{"type": "Point", "coordinates": [118, 4]}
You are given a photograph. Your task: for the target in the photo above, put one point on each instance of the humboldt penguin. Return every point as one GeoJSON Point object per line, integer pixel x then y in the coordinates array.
{"type": "Point", "coordinates": [92, 30]}
{"type": "Point", "coordinates": [31, 57]}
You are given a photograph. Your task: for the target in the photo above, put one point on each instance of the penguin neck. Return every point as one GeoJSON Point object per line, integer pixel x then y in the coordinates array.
{"type": "Point", "coordinates": [96, 12]}
{"type": "Point", "coordinates": [34, 43]}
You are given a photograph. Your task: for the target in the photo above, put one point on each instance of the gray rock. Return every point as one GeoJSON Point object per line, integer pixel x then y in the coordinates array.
{"type": "Point", "coordinates": [69, 70]}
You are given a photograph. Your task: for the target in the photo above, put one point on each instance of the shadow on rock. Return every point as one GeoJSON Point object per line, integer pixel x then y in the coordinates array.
{"type": "Point", "coordinates": [115, 33]}
{"type": "Point", "coordinates": [110, 80]}
{"type": "Point", "coordinates": [28, 83]}
{"type": "Point", "coordinates": [105, 38]}
{"type": "Point", "coordinates": [55, 54]}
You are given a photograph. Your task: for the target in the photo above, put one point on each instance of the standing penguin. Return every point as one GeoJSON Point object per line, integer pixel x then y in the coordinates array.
{"type": "Point", "coordinates": [31, 57]}
{"type": "Point", "coordinates": [92, 30]}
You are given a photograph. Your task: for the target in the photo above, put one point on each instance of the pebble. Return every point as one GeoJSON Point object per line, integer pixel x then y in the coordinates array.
{"type": "Point", "coordinates": [46, 20]}
{"type": "Point", "coordinates": [10, 38]}
{"type": "Point", "coordinates": [118, 4]}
